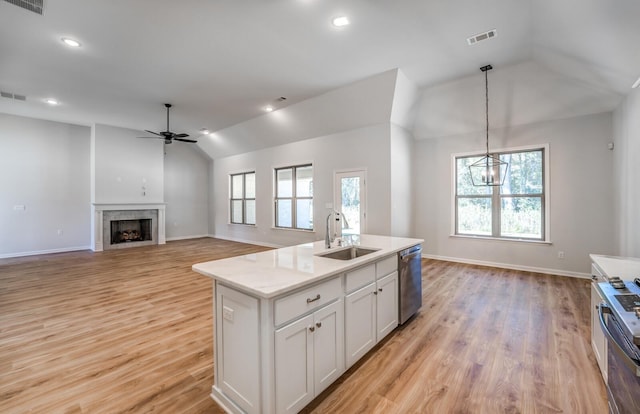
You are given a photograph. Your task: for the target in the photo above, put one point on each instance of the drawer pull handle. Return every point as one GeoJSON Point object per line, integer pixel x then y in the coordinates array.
{"type": "Point", "coordinates": [319, 324]}
{"type": "Point", "coordinates": [309, 300]}
{"type": "Point", "coordinates": [311, 328]}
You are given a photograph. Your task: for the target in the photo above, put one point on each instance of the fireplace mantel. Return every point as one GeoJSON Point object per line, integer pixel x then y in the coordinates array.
{"type": "Point", "coordinates": [98, 218]}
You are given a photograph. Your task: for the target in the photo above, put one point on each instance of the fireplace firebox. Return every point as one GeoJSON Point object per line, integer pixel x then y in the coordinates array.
{"type": "Point", "coordinates": [127, 231]}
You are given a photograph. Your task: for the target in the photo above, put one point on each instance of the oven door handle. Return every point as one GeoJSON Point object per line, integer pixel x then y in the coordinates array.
{"type": "Point", "coordinates": [629, 361]}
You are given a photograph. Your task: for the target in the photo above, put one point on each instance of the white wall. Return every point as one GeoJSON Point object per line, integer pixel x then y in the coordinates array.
{"type": "Point", "coordinates": [581, 195]}
{"type": "Point", "coordinates": [627, 175]}
{"type": "Point", "coordinates": [366, 148]}
{"type": "Point", "coordinates": [45, 167]}
{"type": "Point", "coordinates": [123, 164]}
{"type": "Point", "coordinates": [186, 191]}
{"type": "Point", "coordinates": [402, 200]}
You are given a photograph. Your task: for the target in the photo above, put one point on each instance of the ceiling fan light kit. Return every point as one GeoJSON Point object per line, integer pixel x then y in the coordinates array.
{"type": "Point", "coordinates": [488, 170]}
{"type": "Point", "coordinates": [167, 135]}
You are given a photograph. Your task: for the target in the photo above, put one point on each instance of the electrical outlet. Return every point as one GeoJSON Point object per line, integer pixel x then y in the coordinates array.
{"type": "Point", "coordinates": [227, 313]}
{"type": "Point", "coordinates": [60, 232]}
{"type": "Point", "coordinates": [561, 255]}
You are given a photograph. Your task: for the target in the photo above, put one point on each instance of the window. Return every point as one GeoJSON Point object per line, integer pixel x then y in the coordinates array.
{"type": "Point", "coordinates": [294, 197]}
{"type": "Point", "coordinates": [514, 210]}
{"type": "Point", "coordinates": [243, 198]}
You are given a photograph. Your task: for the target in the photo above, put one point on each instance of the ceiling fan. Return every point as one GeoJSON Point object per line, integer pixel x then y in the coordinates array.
{"type": "Point", "coordinates": [167, 135]}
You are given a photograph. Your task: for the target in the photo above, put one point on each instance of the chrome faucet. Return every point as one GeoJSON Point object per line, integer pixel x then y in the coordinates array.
{"type": "Point", "coordinates": [328, 239]}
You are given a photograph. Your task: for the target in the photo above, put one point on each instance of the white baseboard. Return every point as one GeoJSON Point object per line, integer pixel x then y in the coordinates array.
{"type": "Point", "coordinates": [199, 236]}
{"type": "Point", "coordinates": [557, 272]}
{"type": "Point", "coordinates": [49, 251]}
{"type": "Point", "coordinates": [258, 243]}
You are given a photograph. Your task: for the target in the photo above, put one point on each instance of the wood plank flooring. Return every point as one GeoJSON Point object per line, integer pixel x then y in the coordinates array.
{"type": "Point", "coordinates": [130, 331]}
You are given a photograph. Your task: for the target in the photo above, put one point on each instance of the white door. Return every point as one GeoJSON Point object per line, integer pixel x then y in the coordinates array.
{"type": "Point", "coordinates": [294, 365]}
{"type": "Point", "coordinates": [350, 199]}
{"type": "Point", "coordinates": [387, 312]}
{"type": "Point", "coordinates": [328, 345]}
{"type": "Point", "coordinates": [360, 323]}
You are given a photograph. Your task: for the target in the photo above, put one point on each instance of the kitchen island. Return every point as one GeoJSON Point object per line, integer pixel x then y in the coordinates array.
{"type": "Point", "coordinates": [289, 322]}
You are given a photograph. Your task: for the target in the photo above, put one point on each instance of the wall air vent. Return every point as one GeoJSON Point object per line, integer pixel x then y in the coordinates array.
{"type": "Point", "coordinates": [10, 95]}
{"type": "Point", "coordinates": [35, 6]}
{"type": "Point", "coordinates": [482, 36]}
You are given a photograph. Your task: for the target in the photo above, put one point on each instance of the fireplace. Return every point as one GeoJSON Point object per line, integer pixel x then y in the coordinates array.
{"type": "Point", "coordinates": [130, 231]}
{"type": "Point", "coordinates": [128, 225]}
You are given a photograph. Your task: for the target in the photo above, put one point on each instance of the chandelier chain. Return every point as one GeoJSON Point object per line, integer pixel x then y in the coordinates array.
{"type": "Point", "coordinates": [486, 95]}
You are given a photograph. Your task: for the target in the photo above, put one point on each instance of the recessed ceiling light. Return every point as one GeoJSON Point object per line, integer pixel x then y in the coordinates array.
{"type": "Point", "coordinates": [52, 101]}
{"type": "Point", "coordinates": [340, 21]}
{"type": "Point", "coordinates": [205, 131]}
{"type": "Point", "coordinates": [268, 108]}
{"type": "Point", "coordinates": [636, 84]}
{"type": "Point", "coordinates": [70, 42]}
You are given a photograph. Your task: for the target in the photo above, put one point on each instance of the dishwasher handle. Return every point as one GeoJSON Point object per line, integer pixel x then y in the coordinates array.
{"type": "Point", "coordinates": [409, 254]}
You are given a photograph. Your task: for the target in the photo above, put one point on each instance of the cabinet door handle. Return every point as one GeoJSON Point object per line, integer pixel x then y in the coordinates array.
{"type": "Point", "coordinates": [375, 293]}
{"type": "Point", "coordinates": [309, 300]}
{"type": "Point", "coordinates": [319, 324]}
{"type": "Point", "coordinates": [379, 289]}
{"type": "Point", "coordinates": [311, 328]}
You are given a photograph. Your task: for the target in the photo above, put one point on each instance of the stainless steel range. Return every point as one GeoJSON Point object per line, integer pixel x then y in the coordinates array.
{"type": "Point", "coordinates": [620, 322]}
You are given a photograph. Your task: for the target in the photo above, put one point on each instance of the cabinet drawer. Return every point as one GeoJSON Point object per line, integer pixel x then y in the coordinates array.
{"type": "Point", "coordinates": [296, 304]}
{"type": "Point", "coordinates": [386, 266]}
{"type": "Point", "coordinates": [360, 277]}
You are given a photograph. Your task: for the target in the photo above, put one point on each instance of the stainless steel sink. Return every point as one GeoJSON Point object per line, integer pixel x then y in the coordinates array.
{"type": "Point", "coordinates": [348, 253]}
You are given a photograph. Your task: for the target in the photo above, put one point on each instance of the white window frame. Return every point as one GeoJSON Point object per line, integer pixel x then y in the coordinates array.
{"type": "Point", "coordinates": [546, 198]}
{"type": "Point", "coordinates": [243, 199]}
{"type": "Point", "coordinates": [293, 197]}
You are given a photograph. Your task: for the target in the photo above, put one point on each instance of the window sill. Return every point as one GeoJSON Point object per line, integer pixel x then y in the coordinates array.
{"type": "Point", "coordinates": [242, 224]}
{"type": "Point", "coordinates": [292, 229]}
{"type": "Point", "coordinates": [500, 239]}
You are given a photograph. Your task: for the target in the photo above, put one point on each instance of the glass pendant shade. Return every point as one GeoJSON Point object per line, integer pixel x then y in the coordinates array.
{"type": "Point", "coordinates": [488, 171]}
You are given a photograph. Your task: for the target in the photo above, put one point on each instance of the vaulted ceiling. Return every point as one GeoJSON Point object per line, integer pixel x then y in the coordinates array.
{"type": "Point", "coordinates": [221, 62]}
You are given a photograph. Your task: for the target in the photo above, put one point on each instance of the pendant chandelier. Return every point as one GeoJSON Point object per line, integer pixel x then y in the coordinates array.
{"type": "Point", "coordinates": [489, 170]}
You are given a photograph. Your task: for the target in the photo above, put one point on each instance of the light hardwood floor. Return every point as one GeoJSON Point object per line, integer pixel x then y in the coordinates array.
{"type": "Point", "coordinates": [130, 331]}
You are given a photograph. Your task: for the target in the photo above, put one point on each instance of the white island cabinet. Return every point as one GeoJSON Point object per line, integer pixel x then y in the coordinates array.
{"type": "Point", "coordinates": [288, 322]}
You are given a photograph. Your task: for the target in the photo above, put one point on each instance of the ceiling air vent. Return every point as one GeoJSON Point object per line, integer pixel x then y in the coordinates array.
{"type": "Point", "coordinates": [31, 5]}
{"type": "Point", "coordinates": [13, 96]}
{"type": "Point", "coordinates": [482, 36]}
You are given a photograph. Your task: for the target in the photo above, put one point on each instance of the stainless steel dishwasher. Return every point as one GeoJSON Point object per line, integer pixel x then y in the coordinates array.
{"type": "Point", "coordinates": [410, 281]}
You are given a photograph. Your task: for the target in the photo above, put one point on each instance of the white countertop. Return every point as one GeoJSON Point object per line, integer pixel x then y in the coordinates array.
{"type": "Point", "coordinates": [626, 268]}
{"type": "Point", "coordinates": [274, 272]}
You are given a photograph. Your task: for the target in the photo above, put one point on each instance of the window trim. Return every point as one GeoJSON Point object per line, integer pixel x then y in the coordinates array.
{"type": "Point", "coordinates": [294, 198]}
{"type": "Point", "coordinates": [243, 199]}
{"type": "Point", "coordinates": [546, 196]}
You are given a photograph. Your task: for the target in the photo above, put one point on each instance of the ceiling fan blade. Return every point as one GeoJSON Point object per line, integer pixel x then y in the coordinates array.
{"type": "Point", "coordinates": [152, 137]}
{"type": "Point", "coordinates": [151, 132]}
{"type": "Point", "coordinates": [185, 140]}
{"type": "Point", "coordinates": [181, 135]}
